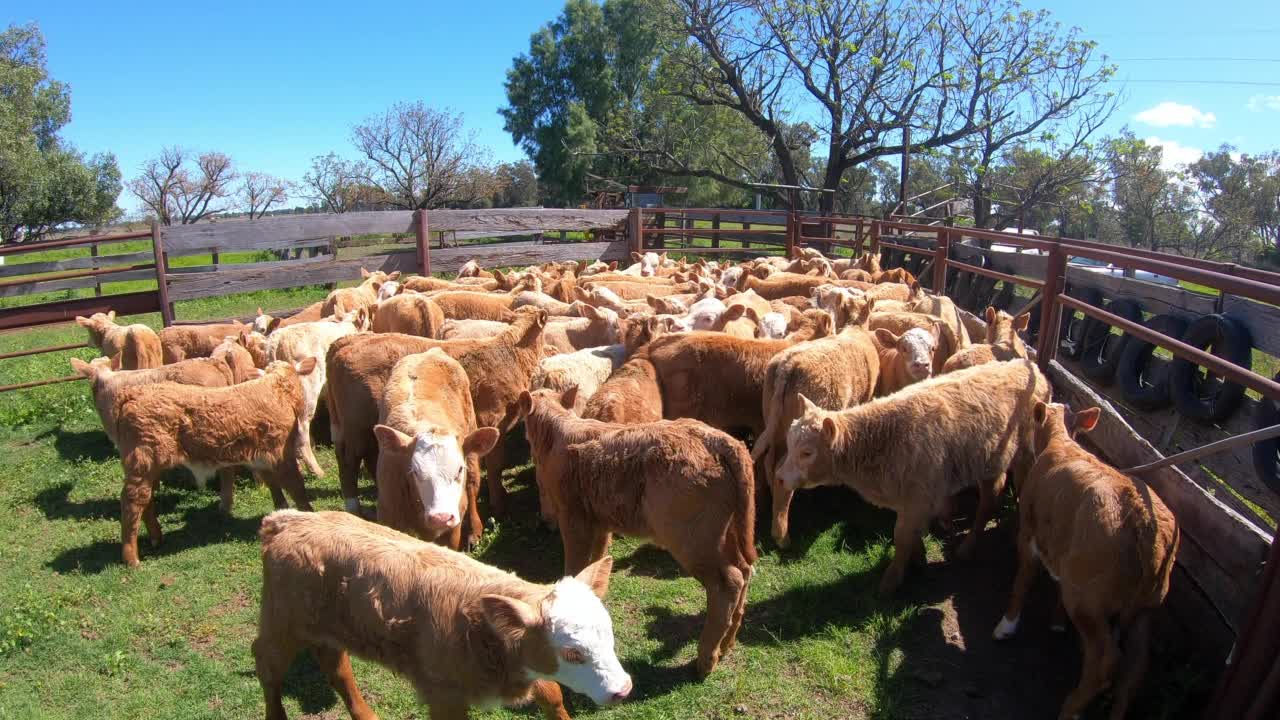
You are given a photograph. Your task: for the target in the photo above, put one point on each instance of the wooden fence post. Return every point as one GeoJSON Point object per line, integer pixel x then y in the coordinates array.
{"type": "Point", "coordinates": [1054, 279]}
{"type": "Point", "coordinates": [746, 239]}
{"type": "Point", "coordinates": [940, 260]}
{"type": "Point", "coordinates": [792, 233]}
{"type": "Point", "coordinates": [97, 287]}
{"type": "Point", "coordinates": [422, 233]}
{"type": "Point", "coordinates": [162, 286]}
{"type": "Point", "coordinates": [875, 237]}
{"type": "Point", "coordinates": [635, 230]}
{"type": "Point", "coordinates": [661, 220]}
{"type": "Point", "coordinates": [715, 225]}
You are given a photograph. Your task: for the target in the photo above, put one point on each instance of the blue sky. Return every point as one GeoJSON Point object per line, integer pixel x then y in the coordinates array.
{"type": "Point", "coordinates": [273, 84]}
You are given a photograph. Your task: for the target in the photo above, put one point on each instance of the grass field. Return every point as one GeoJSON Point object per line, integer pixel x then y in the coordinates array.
{"type": "Point", "coordinates": [82, 636]}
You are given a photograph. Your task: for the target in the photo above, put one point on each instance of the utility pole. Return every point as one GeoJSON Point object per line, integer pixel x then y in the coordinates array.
{"type": "Point", "coordinates": [906, 169]}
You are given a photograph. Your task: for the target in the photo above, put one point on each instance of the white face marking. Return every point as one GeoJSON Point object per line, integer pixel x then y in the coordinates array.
{"type": "Point", "coordinates": [704, 314]}
{"type": "Point", "coordinates": [649, 264]}
{"type": "Point", "coordinates": [578, 622]}
{"type": "Point", "coordinates": [916, 347]}
{"type": "Point", "coordinates": [731, 276]}
{"type": "Point", "coordinates": [259, 324]}
{"type": "Point", "coordinates": [605, 296]}
{"type": "Point", "coordinates": [802, 439]}
{"type": "Point", "coordinates": [388, 289]}
{"type": "Point", "coordinates": [438, 469]}
{"type": "Point", "coordinates": [613, 333]}
{"type": "Point", "coordinates": [773, 326]}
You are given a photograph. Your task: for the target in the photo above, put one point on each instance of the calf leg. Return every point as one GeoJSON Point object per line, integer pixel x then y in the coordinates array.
{"type": "Point", "coordinates": [731, 637]}
{"type": "Point", "coordinates": [1027, 567]}
{"type": "Point", "coordinates": [154, 533]}
{"type": "Point", "coordinates": [781, 513]}
{"type": "Point", "coordinates": [575, 536]}
{"type": "Point", "coordinates": [272, 657]}
{"type": "Point", "coordinates": [447, 711]}
{"type": "Point", "coordinates": [1137, 653]}
{"type": "Point", "coordinates": [336, 665]}
{"type": "Point", "coordinates": [724, 586]}
{"type": "Point", "coordinates": [494, 463]}
{"type": "Point", "coordinates": [549, 698]}
{"type": "Point", "coordinates": [1098, 648]}
{"type": "Point", "coordinates": [290, 480]}
{"type": "Point", "coordinates": [349, 453]}
{"type": "Point", "coordinates": [134, 499]}
{"type": "Point", "coordinates": [303, 447]}
{"type": "Point", "coordinates": [474, 524]}
{"type": "Point", "coordinates": [907, 532]}
{"type": "Point", "coordinates": [227, 488]}
{"type": "Point", "coordinates": [988, 494]}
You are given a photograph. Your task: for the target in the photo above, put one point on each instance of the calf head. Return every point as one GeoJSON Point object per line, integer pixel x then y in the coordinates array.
{"type": "Point", "coordinates": [915, 349]}
{"type": "Point", "coordinates": [810, 440]}
{"type": "Point", "coordinates": [666, 305]}
{"type": "Point", "coordinates": [1003, 329]}
{"type": "Point", "coordinates": [377, 278]}
{"type": "Point", "coordinates": [240, 360]}
{"type": "Point", "coordinates": [437, 464]}
{"type": "Point", "coordinates": [773, 326]}
{"type": "Point", "coordinates": [470, 268]}
{"type": "Point", "coordinates": [605, 320]}
{"type": "Point", "coordinates": [256, 344]}
{"type": "Point", "coordinates": [1056, 420]}
{"type": "Point", "coordinates": [705, 314]}
{"type": "Point", "coordinates": [638, 331]}
{"type": "Point", "coordinates": [649, 262]}
{"type": "Point", "coordinates": [389, 289]}
{"type": "Point", "coordinates": [567, 637]}
{"type": "Point", "coordinates": [97, 324]}
{"type": "Point", "coordinates": [264, 323]}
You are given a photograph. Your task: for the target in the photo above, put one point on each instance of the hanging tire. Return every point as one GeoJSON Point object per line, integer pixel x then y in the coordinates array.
{"type": "Point", "coordinates": [1266, 454]}
{"type": "Point", "coordinates": [1071, 336]}
{"type": "Point", "coordinates": [1208, 398]}
{"type": "Point", "coordinates": [1143, 381]}
{"type": "Point", "coordinates": [1004, 299]}
{"type": "Point", "coordinates": [1102, 348]}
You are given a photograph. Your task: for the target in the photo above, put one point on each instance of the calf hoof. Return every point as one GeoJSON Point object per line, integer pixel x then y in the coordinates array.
{"type": "Point", "coordinates": [783, 541]}
{"type": "Point", "coordinates": [704, 666]}
{"type": "Point", "coordinates": [1005, 629]}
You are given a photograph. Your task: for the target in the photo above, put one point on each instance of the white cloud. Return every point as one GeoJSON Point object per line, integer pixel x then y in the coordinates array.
{"type": "Point", "coordinates": [1168, 114]}
{"type": "Point", "coordinates": [1258, 103]}
{"type": "Point", "coordinates": [1174, 154]}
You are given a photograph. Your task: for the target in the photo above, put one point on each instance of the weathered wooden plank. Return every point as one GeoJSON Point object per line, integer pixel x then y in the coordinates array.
{"type": "Point", "coordinates": [510, 220]}
{"type": "Point", "coordinates": [294, 273]}
{"type": "Point", "coordinates": [38, 286]}
{"type": "Point", "coordinates": [256, 234]}
{"type": "Point", "coordinates": [1233, 548]}
{"type": "Point", "coordinates": [80, 263]}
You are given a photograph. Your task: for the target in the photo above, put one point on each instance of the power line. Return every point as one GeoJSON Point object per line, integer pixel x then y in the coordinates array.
{"type": "Point", "coordinates": [1250, 83]}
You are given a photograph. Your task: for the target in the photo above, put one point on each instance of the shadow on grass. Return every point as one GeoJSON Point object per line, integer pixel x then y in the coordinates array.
{"type": "Point", "coordinates": [201, 526]}
{"type": "Point", "coordinates": [92, 445]}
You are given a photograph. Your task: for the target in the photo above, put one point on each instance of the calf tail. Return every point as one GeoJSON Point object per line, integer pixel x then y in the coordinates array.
{"type": "Point", "coordinates": [774, 387]}
{"type": "Point", "coordinates": [733, 455]}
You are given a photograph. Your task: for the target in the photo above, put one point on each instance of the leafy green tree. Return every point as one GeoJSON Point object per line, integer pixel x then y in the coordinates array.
{"type": "Point", "coordinates": [44, 182]}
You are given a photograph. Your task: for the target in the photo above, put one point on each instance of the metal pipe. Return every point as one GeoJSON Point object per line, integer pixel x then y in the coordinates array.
{"type": "Point", "coordinates": [73, 274]}
{"type": "Point", "coordinates": [1248, 438]}
{"type": "Point", "coordinates": [995, 275]}
{"type": "Point", "coordinates": [38, 383]}
{"type": "Point", "coordinates": [1260, 291]}
{"type": "Point", "coordinates": [1213, 363]}
{"type": "Point", "coordinates": [69, 242]}
{"type": "Point", "coordinates": [40, 351]}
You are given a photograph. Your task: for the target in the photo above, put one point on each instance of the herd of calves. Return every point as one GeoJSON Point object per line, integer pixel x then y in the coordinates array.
{"type": "Point", "coordinates": [628, 383]}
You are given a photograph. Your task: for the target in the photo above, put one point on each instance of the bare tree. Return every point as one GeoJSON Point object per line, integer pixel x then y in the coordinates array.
{"type": "Point", "coordinates": [259, 191]}
{"type": "Point", "coordinates": [421, 157]}
{"type": "Point", "coordinates": [178, 193]}
{"type": "Point", "coordinates": [334, 183]}
{"type": "Point", "coordinates": [877, 77]}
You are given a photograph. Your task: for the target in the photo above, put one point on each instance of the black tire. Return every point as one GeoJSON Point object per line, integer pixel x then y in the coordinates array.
{"type": "Point", "coordinates": [1004, 299]}
{"type": "Point", "coordinates": [1266, 454]}
{"type": "Point", "coordinates": [1102, 348]}
{"type": "Point", "coordinates": [1071, 336]}
{"type": "Point", "coordinates": [1208, 398]}
{"type": "Point", "coordinates": [1144, 383]}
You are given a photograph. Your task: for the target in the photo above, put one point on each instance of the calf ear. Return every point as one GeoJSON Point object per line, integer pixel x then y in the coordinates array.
{"type": "Point", "coordinates": [990, 314]}
{"type": "Point", "coordinates": [1020, 322]}
{"type": "Point", "coordinates": [111, 315]}
{"type": "Point", "coordinates": [1087, 420]}
{"type": "Point", "coordinates": [654, 302]}
{"type": "Point", "coordinates": [391, 439]}
{"type": "Point", "coordinates": [502, 279]}
{"type": "Point", "coordinates": [525, 403]}
{"type": "Point", "coordinates": [1040, 413]}
{"type": "Point", "coordinates": [305, 366]}
{"type": "Point", "coordinates": [481, 442]}
{"type": "Point", "coordinates": [83, 368]}
{"type": "Point", "coordinates": [569, 398]}
{"type": "Point", "coordinates": [394, 275]}
{"type": "Point", "coordinates": [509, 617]}
{"type": "Point", "coordinates": [886, 337]}
{"type": "Point", "coordinates": [273, 325]}
{"type": "Point", "coordinates": [596, 576]}
{"type": "Point", "coordinates": [635, 257]}
{"type": "Point", "coordinates": [364, 273]}
{"type": "Point", "coordinates": [829, 430]}
{"type": "Point", "coordinates": [613, 266]}
{"type": "Point", "coordinates": [83, 321]}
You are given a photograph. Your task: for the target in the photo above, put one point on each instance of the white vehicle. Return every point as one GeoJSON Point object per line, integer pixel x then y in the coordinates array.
{"type": "Point", "coordinates": [1095, 266]}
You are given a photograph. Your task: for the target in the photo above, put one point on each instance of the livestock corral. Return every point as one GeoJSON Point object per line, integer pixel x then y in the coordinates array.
{"type": "Point", "coordinates": [622, 467]}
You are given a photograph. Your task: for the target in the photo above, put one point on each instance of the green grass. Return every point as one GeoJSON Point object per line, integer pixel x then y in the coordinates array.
{"type": "Point", "coordinates": [80, 635]}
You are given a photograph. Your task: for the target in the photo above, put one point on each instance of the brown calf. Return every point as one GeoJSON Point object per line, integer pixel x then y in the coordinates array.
{"type": "Point", "coordinates": [1108, 540]}
{"type": "Point", "coordinates": [683, 485]}
{"type": "Point", "coordinates": [475, 305]}
{"type": "Point", "coordinates": [429, 449]}
{"type": "Point", "coordinates": [967, 428]}
{"type": "Point", "coordinates": [364, 295]}
{"type": "Point", "coordinates": [462, 632]}
{"type": "Point", "coordinates": [180, 342]}
{"type": "Point", "coordinates": [137, 345]}
{"type": "Point", "coordinates": [1003, 342]}
{"type": "Point", "coordinates": [166, 425]}
{"type": "Point", "coordinates": [410, 313]}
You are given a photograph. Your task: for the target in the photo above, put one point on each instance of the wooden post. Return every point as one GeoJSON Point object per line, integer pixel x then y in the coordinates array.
{"type": "Point", "coordinates": [906, 169]}
{"type": "Point", "coordinates": [635, 230]}
{"type": "Point", "coordinates": [746, 243]}
{"type": "Point", "coordinates": [715, 225]}
{"type": "Point", "coordinates": [162, 286]}
{"type": "Point", "coordinates": [661, 221]}
{"type": "Point", "coordinates": [422, 234]}
{"type": "Point", "coordinates": [940, 260]}
{"type": "Point", "coordinates": [333, 255]}
{"type": "Point", "coordinates": [1054, 279]}
{"type": "Point", "coordinates": [97, 287]}
{"type": "Point", "coordinates": [213, 257]}
{"type": "Point", "coordinates": [875, 237]}
{"type": "Point", "coordinates": [793, 231]}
